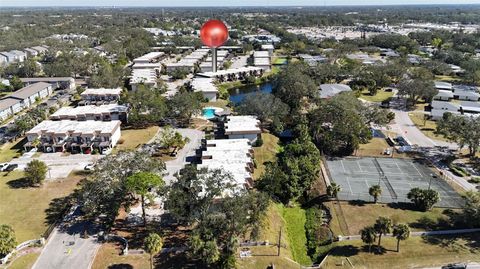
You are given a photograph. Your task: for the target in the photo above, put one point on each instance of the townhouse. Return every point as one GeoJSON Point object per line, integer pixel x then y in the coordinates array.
{"type": "Point", "coordinates": [241, 127]}
{"type": "Point", "coordinates": [456, 99]}
{"type": "Point", "coordinates": [262, 59]}
{"type": "Point", "coordinates": [57, 82]}
{"type": "Point", "coordinates": [74, 136]}
{"type": "Point", "coordinates": [234, 156]}
{"type": "Point", "coordinates": [24, 98]}
{"type": "Point", "coordinates": [100, 96]}
{"type": "Point", "coordinates": [90, 112]}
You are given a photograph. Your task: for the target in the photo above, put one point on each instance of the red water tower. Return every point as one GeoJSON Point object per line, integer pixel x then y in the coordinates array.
{"type": "Point", "coordinates": [213, 34]}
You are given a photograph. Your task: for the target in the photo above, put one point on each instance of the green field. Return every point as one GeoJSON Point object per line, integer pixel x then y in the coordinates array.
{"type": "Point", "coordinates": [265, 153]}
{"type": "Point", "coordinates": [379, 97]}
{"type": "Point", "coordinates": [295, 228]}
{"type": "Point", "coordinates": [24, 208]}
{"type": "Point", "coordinates": [415, 252]}
{"type": "Point", "coordinates": [133, 138]}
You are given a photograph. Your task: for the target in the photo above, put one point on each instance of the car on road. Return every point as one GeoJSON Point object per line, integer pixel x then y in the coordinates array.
{"type": "Point", "coordinates": [11, 167]}
{"type": "Point", "coordinates": [89, 167]}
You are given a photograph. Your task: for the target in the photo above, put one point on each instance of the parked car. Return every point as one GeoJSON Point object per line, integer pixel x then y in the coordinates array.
{"type": "Point", "coordinates": [455, 266]}
{"type": "Point", "coordinates": [11, 167]}
{"type": "Point", "coordinates": [3, 166]}
{"type": "Point", "coordinates": [106, 151]}
{"type": "Point", "coordinates": [89, 167]}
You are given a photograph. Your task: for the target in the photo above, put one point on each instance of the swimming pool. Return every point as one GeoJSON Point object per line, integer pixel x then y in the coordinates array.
{"type": "Point", "coordinates": [209, 113]}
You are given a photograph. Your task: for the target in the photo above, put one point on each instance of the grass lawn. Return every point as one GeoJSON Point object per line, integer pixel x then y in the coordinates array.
{"type": "Point", "coordinates": [415, 252]}
{"type": "Point", "coordinates": [108, 256]}
{"type": "Point", "coordinates": [359, 215]}
{"type": "Point", "coordinates": [265, 153]}
{"type": "Point", "coordinates": [219, 103]}
{"type": "Point", "coordinates": [133, 138]}
{"type": "Point", "coordinates": [447, 78]}
{"type": "Point", "coordinates": [274, 222]}
{"type": "Point", "coordinates": [24, 208]}
{"type": "Point", "coordinates": [429, 128]}
{"type": "Point", "coordinates": [379, 97]}
{"type": "Point", "coordinates": [295, 229]}
{"type": "Point", "coordinates": [25, 261]}
{"type": "Point", "coordinates": [8, 151]}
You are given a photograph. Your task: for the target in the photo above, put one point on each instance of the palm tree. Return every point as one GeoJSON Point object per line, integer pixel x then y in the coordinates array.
{"type": "Point", "coordinates": [153, 244]}
{"type": "Point", "coordinates": [383, 225]}
{"type": "Point", "coordinates": [368, 236]}
{"type": "Point", "coordinates": [333, 189]}
{"type": "Point", "coordinates": [375, 191]}
{"type": "Point", "coordinates": [401, 232]}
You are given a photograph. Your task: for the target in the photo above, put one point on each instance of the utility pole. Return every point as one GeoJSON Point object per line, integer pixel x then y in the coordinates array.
{"type": "Point", "coordinates": [279, 241]}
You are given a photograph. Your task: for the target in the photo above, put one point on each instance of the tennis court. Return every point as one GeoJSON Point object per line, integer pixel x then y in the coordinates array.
{"type": "Point", "coordinates": [395, 176]}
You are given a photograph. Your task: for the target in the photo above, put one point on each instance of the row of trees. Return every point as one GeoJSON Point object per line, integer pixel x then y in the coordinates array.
{"type": "Point", "coordinates": [384, 226]}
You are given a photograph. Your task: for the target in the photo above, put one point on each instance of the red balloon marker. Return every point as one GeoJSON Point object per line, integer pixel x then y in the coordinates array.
{"type": "Point", "coordinates": [213, 34]}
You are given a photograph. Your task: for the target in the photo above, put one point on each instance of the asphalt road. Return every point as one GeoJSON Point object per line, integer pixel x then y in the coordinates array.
{"type": "Point", "coordinates": [65, 247]}
{"type": "Point", "coordinates": [184, 155]}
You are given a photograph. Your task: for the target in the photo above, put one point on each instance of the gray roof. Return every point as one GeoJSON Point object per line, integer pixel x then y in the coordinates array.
{"type": "Point", "coordinates": [18, 53]}
{"type": "Point", "coordinates": [30, 90]}
{"type": "Point", "coordinates": [8, 54]}
{"type": "Point", "coordinates": [47, 79]}
{"type": "Point", "coordinates": [330, 90]}
{"type": "Point", "coordinates": [7, 102]}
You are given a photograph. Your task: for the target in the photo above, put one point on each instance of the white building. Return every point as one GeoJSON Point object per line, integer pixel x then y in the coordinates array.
{"type": "Point", "coordinates": [57, 82]}
{"type": "Point", "coordinates": [74, 136]}
{"type": "Point", "coordinates": [100, 95]}
{"type": "Point", "coordinates": [234, 156]}
{"type": "Point", "coordinates": [90, 112]}
{"type": "Point", "coordinates": [330, 90]}
{"type": "Point", "coordinates": [239, 127]}
{"type": "Point", "coordinates": [206, 87]}
{"type": "Point", "coordinates": [262, 59]}
{"type": "Point", "coordinates": [23, 98]}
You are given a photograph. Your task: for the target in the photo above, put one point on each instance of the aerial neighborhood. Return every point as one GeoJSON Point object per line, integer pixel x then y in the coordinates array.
{"type": "Point", "coordinates": [239, 137]}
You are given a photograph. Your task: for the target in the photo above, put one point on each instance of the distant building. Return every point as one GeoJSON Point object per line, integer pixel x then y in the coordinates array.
{"type": "Point", "coordinates": [330, 90]}
{"type": "Point", "coordinates": [23, 98]}
{"type": "Point", "coordinates": [56, 82]}
{"type": "Point", "coordinates": [262, 59]}
{"type": "Point", "coordinates": [90, 112]}
{"type": "Point", "coordinates": [100, 96]}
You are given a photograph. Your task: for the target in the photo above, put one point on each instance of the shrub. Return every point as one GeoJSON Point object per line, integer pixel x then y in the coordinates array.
{"type": "Point", "coordinates": [259, 142]}
{"type": "Point", "coordinates": [121, 141]}
{"type": "Point", "coordinates": [317, 234]}
{"type": "Point", "coordinates": [475, 180]}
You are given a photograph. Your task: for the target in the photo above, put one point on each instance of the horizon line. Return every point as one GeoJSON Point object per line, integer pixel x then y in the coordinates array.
{"type": "Point", "coordinates": [234, 6]}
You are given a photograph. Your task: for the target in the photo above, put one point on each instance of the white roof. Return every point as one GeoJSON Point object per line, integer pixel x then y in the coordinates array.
{"type": "Point", "coordinates": [91, 109]}
{"type": "Point", "coordinates": [443, 85]}
{"type": "Point", "coordinates": [143, 76]}
{"type": "Point", "coordinates": [242, 124]}
{"type": "Point", "coordinates": [229, 155]}
{"type": "Point", "coordinates": [261, 54]}
{"type": "Point", "coordinates": [268, 47]}
{"type": "Point", "coordinates": [83, 127]}
{"type": "Point", "coordinates": [261, 61]}
{"type": "Point", "coordinates": [230, 71]}
{"type": "Point", "coordinates": [204, 85]}
{"type": "Point", "coordinates": [102, 91]}
{"type": "Point", "coordinates": [148, 57]}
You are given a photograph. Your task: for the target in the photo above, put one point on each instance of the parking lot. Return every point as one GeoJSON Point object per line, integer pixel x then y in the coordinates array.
{"type": "Point", "coordinates": [395, 176]}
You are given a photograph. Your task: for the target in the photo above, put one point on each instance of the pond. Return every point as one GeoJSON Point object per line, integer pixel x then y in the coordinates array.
{"type": "Point", "coordinates": [237, 95]}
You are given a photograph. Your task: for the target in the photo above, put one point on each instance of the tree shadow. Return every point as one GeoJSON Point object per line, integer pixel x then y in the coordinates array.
{"type": "Point", "coordinates": [357, 202]}
{"type": "Point", "coordinates": [20, 183]}
{"type": "Point", "coordinates": [57, 209]}
{"type": "Point", "coordinates": [403, 206]}
{"type": "Point", "coordinates": [456, 242]}
{"type": "Point", "coordinates": [120, 266]}
{"type": "Point", "coordinates": [345, 251]}
{"type": "Point", "coordinates": [177, 260]}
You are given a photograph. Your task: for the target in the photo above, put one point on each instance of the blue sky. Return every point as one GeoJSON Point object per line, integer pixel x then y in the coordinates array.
{"type": "Point", "coordinates": [224, 2]}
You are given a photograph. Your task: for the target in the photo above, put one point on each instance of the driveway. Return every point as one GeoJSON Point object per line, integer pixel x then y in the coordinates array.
{"type": "Point", "coordinates": [66, 248]}
{"type": "Point", "coordinates": [185, 155]}
{"type": "Point", "coordinates": [59, 165]}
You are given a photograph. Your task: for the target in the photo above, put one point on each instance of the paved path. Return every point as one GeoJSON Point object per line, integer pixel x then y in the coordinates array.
{"type": "Point", "coordinates": [66, 249]}
{"type": "Point", "coordinates": [470, 265]}
{"type": "Point", "coordinates": [444, 232]}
